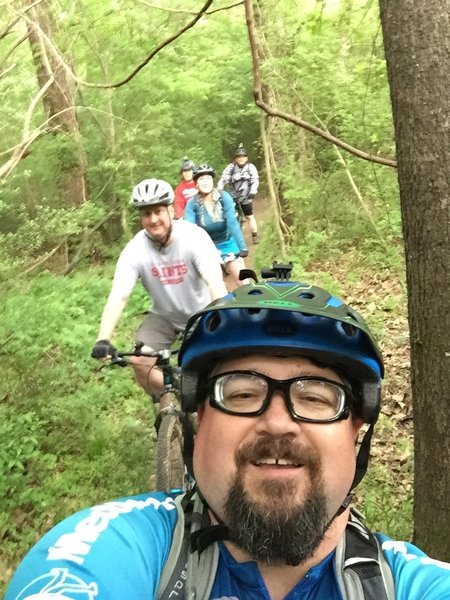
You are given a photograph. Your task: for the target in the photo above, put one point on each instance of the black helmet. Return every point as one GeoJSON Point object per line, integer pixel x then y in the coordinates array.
{"type": "Point", "coordinates": [240, 151]}
{"type": "Point", "coordinates": [186, 164]}
{"type": "Point", "coordinates": [203, 169]}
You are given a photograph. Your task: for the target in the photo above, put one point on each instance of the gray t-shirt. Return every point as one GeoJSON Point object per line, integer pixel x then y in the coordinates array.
{"type": "Point", "coordinates": [175, 276]}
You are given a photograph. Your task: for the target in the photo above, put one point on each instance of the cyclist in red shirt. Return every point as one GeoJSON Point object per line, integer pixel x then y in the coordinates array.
{"type": "Point", "coordinates": [186, 189]}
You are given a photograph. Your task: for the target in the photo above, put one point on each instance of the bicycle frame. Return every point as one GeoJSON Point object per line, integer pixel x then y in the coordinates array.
{"type": "Point", "coordinates": [174, 428]}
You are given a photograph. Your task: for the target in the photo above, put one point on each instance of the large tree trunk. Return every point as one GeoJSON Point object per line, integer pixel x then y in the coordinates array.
{"type": "Point", "coordinates": [59, 99]}
{"type": "Point", "coordinates": [417, 47]}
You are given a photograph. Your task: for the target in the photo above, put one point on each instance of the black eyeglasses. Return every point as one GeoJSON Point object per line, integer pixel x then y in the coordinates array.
{"type": "Point", "coordinates": [248, 394]}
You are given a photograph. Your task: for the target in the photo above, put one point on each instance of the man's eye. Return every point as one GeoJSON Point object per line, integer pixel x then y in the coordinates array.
{"type": "Point", "coordinates": [241, 394]}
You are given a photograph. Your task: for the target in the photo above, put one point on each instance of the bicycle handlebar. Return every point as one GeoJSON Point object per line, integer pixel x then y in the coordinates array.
{"type": "Point", "coordinates": [162, 356]}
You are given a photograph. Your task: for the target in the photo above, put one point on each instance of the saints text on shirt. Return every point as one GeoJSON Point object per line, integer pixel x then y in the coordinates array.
{"type": "Point", "coordinates": [170, 274]}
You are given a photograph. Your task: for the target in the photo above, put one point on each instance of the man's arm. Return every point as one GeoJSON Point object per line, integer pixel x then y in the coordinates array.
{"type": "Point", "coordinates": [254, 179]}
{"type": "Point", "coordinates": [225, 178]}
{"type": "Point", "coordinates": [189, 211]}
{"type": "Point", "coordinates": [112, 551]}
{"type": "Point", "coordinates": [111, 314]}
{"type": "Point", "coordinates": [206, 259]}
{"type": "Point", "coordinates": [179, 203]}
{"type": "Point", "coordinates": [125, 278]}
{"type": "Point", "coordinates": [216, 285]}
{"type": "Point", "coordinates": [416, 575]}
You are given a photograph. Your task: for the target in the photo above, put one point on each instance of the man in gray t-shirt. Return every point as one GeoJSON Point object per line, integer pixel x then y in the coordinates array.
{"type": "Point", "coordinates": [178, 266]}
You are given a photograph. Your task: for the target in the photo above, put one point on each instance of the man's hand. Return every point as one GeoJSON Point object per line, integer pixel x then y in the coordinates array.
{"type": "Point", "coordinates": [243, 253]}
{"type": "Point", "coordinates": [103, 349]}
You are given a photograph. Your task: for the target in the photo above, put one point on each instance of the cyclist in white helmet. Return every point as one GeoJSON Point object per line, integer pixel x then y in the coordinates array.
{"type": "Point", "coordinates": [178, 266]}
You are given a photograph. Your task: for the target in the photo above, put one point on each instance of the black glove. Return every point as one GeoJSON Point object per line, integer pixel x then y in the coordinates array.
{"type": "Point", "coordinates": [243, 253]}
{"type": "Point", "coordinates": [102, 349]}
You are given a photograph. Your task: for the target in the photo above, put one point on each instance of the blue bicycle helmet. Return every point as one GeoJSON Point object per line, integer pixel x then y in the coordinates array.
{"type": "Point", "coordinates": [283, 318]}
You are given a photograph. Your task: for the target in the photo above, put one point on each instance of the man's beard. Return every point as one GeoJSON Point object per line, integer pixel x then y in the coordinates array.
{"type": "Point", "coordinates": [271, 529]}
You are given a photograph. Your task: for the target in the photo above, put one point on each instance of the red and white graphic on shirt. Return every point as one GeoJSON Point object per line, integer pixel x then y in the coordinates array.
{"type": "Point", "coordinates": [170, 274]}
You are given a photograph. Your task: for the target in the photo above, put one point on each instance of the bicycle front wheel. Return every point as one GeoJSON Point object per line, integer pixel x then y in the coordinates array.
{"type": "Point", "coordinates": [169, 453]}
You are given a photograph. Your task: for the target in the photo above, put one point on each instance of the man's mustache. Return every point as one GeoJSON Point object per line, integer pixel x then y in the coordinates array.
{"type": "Point", "coordinates": [281, 447]}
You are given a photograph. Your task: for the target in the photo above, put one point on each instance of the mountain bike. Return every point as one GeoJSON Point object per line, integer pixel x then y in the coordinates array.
{"type": "Point", "coordinates": [175, 429]}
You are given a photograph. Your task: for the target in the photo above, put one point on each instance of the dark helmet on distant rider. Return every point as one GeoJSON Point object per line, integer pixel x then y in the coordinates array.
{"type": "Point", "coordinates": [203, 169]}
{"type": "Point", "coordinates": [240, 151]}
{"type": "Point", "coordinates": [187, 164]}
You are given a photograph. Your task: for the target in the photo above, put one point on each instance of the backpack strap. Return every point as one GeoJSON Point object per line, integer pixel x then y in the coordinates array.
{"type": "Point", "coordinates": [189, 573]}
{"type": "Point", "coordinates": [361, 570]}
{"type": "Point", "coordinates": [173, 577]}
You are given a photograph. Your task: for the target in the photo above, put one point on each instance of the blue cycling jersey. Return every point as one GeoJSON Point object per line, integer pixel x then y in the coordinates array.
{"type": "Point", "coordinates": [117, 551]}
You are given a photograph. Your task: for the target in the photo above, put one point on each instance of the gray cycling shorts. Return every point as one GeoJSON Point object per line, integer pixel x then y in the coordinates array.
{"type": "Point", "coordinates": [156, 332]}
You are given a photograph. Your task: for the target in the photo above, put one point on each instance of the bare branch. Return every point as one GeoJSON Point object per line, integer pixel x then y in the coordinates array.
{"type": "Point", "coordinates": [16, 45]}
{"type": "Point", "coordinates": [259, 101]}
{"type": "Point", "coordinates": [7, 70]}
{"type": "Point", "coordinates": [27, 137]}
{"type": "Point", "coordinates": [190, 12]}
{"type": "Point", "coordinates": [152, 54]}
{"type": "Point", "coordinates": [43, 259]}
{"type": "Point", "coordinates": [33, 104]}
{"type": "Point", "coordinates": [8, 28]}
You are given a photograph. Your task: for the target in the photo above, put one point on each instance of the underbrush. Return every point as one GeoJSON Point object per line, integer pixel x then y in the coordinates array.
{"type": "Point", "coordinates": [71, 436]}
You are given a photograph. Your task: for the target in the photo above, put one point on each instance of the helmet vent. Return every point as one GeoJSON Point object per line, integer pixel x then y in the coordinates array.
{"type": "Point", "coordinates": [349, 329]}
{"type": "Point", "coordinates": [306, 295]}
{"type": "Point", "coordinates": [255, 293]}
{"type": "Point", "coordinates": [212, 322]}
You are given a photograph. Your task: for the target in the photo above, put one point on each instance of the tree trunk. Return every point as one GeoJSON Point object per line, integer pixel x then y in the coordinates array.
{"type": "Point", "coordinates": [417, 48]}
{"type": "Point", "coordinates": [59, 99]}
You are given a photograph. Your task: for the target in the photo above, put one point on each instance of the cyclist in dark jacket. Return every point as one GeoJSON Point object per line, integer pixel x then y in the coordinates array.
{"type": "Point", "coordinates": [242, 179]}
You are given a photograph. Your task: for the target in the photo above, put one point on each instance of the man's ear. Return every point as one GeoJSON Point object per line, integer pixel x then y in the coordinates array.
{"type": "Point", "coordinates": [357, 423]}
{"type": "Point", "coordinates": [171, 211]}
{"type": "Point", "coordinates": [200, 412]}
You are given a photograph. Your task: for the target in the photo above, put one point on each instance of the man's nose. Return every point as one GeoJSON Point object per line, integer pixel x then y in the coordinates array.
{"type": "Point", "coordinates": [276, 419]}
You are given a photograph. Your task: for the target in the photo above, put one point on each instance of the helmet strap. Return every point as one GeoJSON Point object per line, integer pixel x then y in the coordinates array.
{"type": "Point", "coordinates": [362, 462]}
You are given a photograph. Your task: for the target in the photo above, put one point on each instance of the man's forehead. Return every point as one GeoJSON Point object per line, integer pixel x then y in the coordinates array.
{"type": "Point", "coordinates": [299, 361]}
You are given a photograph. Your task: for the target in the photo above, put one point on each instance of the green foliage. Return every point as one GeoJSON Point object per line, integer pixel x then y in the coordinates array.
{"type": "Point", "coordinates": [71, 436]}
{"type": "Point", "coordinates": [385, 510]}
